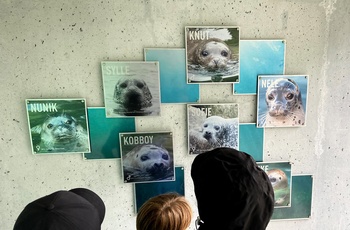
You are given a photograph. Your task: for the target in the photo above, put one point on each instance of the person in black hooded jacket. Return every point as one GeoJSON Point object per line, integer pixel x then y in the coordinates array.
{"type": "Point", "coordinates": [232, 192]}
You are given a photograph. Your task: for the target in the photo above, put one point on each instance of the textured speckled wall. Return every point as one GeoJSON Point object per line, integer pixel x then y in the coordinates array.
{"type": "Point", "coordinates": [53, 49]}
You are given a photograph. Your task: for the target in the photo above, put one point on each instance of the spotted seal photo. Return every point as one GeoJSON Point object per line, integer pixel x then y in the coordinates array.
{"type": "Point", "coordinates": [284, 105]}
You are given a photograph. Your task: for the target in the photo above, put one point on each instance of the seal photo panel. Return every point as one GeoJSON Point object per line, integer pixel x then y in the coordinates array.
{"type": "Point", "coordinates": [58, 125]}
{"type": "Point", "coordinates": [280, 176]}
{"type": "Point", "coordinates": [281, 100]}
{"type": "Point", "coordinates": [131, 89]}
{"type": "Point", "coordinates": [212, 54]}
{"type": "Point", "coordinates": [147, 156]}
{"type": "Point", "coordinates": [211, 126]}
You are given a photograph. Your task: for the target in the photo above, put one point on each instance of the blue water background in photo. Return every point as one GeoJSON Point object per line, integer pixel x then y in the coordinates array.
{"type": "Point", "coordinates": [259, 57]}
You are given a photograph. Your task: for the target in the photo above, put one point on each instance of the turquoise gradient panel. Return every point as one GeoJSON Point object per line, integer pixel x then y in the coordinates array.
{"type": "Point", "coordinates": [104, 134]}
{"type": "Point", "coordinates": [172, 68]}
{"type": "Point", "coordinates": [251, 140]}
{"type": "Point", "coordinates": [259, 57]}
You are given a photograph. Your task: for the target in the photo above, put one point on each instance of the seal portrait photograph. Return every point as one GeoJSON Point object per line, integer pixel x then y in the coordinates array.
{"type": "Point", "coordinates": [131, 88]}
{"type": "Point", "coordinates": [147, 157]}
{"type": "Point", "coordinates": [282, 101]}
{"type": "Point", "coordinates": [58, 125]}
{"type": "Point", "coordinates": [280, 176]}
{"type": "Point", "coordinates": [211, 126]}
{"type": "Point", "coordinates": [212, 54]}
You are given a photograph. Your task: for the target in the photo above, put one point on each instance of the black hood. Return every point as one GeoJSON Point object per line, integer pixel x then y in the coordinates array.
{"type": "Point", "coordinates": [232, 191]}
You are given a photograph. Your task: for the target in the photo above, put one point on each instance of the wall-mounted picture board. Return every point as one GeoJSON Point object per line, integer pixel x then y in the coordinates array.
{"type": "Point", "coordinates": [104, 133]}
{"type": "Point", "coordinates": [172, 68]}
{"type": "Point", "coordinates": [282, 100]}
{"type": "Point", "coordinates": [212, 54]}
{"type": "Point", "coordinates": [145, 191]}
{"type": "Point", "coordinates": [259, 57]}
{"type": "Point", "coordinates": [131, 88]}
{"type": "Point", "coordinates": [58, 125]}
{"type": "Point", "coordinates": [147, 157]}
{"type": "Point", "coordinates": [301, 200]}
{"type": "Point", "coordinates": [211, 126]}
{"type": "Point", "coordinates": [280, 175]}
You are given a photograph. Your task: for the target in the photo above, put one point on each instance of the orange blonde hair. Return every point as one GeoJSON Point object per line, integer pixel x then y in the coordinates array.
{"type": "Point", "coordinates": [164, 212]}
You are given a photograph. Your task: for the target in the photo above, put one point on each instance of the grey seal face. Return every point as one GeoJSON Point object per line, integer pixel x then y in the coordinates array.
{"type": "Point", "coordinates": [132, 94]}
{"type": "Point", "coordinates": [283, 97]}
{"type": "Point", "coordinates": [61, 129]}
{"type": "Point", "coordinates": [147, 160]}
{"type": "Point", "coordinates": [213, 54]}
{"type": "Point", "coordinates": [61, 133]}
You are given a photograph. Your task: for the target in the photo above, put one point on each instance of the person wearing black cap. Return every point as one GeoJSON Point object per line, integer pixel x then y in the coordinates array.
{"type": "Point", "coordinates": [232, 192]}
{"type": "Point", "coordinates": [76, 209]}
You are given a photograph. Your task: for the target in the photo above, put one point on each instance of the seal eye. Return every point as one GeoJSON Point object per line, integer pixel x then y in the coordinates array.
{"type": "Point", "coordinates": [224, 53]}
{"type": "Point", "coordinates": [205, 125]}
{"type": "Point", "coordinates": [123, 85]}
{"type": "Point", "coordinates": [69, 122]}
{"type": "Point", "coordinates": [165, 157]}
{"type": "Point", "coordinates": [144, 158]}
{"type": "Point", "coordinates": [49, 126]}
{"type": "Point", "coordinates": [204, 53]}
{"type": "Point", "coordinates": [217, 128]}
{"type": "Point", "coordinates": [140, 85]}
{"type": "Point", "coordinates": [270, 97]}
{"type": "Point", "coordinates": [290, 96]}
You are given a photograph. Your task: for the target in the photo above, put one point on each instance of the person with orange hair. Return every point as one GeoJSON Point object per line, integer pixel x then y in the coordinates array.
{"type": "Point", "coordinates": [168, 211]}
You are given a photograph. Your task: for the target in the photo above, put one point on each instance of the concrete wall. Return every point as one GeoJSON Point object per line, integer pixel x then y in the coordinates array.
{"type": "Point", "coordinates": [53, 49]}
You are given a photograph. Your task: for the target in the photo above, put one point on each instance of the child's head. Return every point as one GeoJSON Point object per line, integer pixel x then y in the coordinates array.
{"type": "Point", "coordinates": [164, 212]}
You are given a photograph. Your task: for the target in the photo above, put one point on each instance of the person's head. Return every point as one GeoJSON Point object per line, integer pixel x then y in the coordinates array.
{"type": "Point", "coordinates": [164, 212]}
{"type": "Point", "coordinates": [76, 209]}
{"type": "Point", "coordinates": [232, 191]}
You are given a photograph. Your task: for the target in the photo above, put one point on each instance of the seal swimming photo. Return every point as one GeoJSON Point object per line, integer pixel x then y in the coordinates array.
{"type": "Point", "coordinates": [284, 106]}
{"type": "Point", "coordinates": [212, 54]}
{"type": "Point", "coordinates": [147, 162]}
{"type": "Point", "coordinates": [61, 133]}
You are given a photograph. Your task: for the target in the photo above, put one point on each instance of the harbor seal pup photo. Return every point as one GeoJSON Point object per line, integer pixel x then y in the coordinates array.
{"type": "Point", "coordinates": [212, 54]}
{"type": "Point", "coordinates": [284, 104]}
{"type": "Point", "coordinates": [61, 133]}
{"type": "Point", "coordinates": [279, 182]}
{"type": "Point", "coordinates": [216, 132]}
{"type": "Point", "coordinates": [146, 163]}
{"type": "Point", "coordinates": [132, 96]}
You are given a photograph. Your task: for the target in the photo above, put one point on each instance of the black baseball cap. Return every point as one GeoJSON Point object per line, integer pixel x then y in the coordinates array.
{"type": "Point", "coordinates": [76, 209]}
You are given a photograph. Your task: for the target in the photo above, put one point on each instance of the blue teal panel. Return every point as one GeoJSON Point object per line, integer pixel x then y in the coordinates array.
{"type": "Point", "coordinates": [259, 57]}
{"type": "Point", "coordinates": [301, 200]}
{"type": "Point", "coordinates": [251, 140]}
{"type": "Point", "coordinates": [172, 68]}
{"type": "Point", "coordinates": [104, 134]}
{"type": "Point", "coordinates": [144, 191]}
